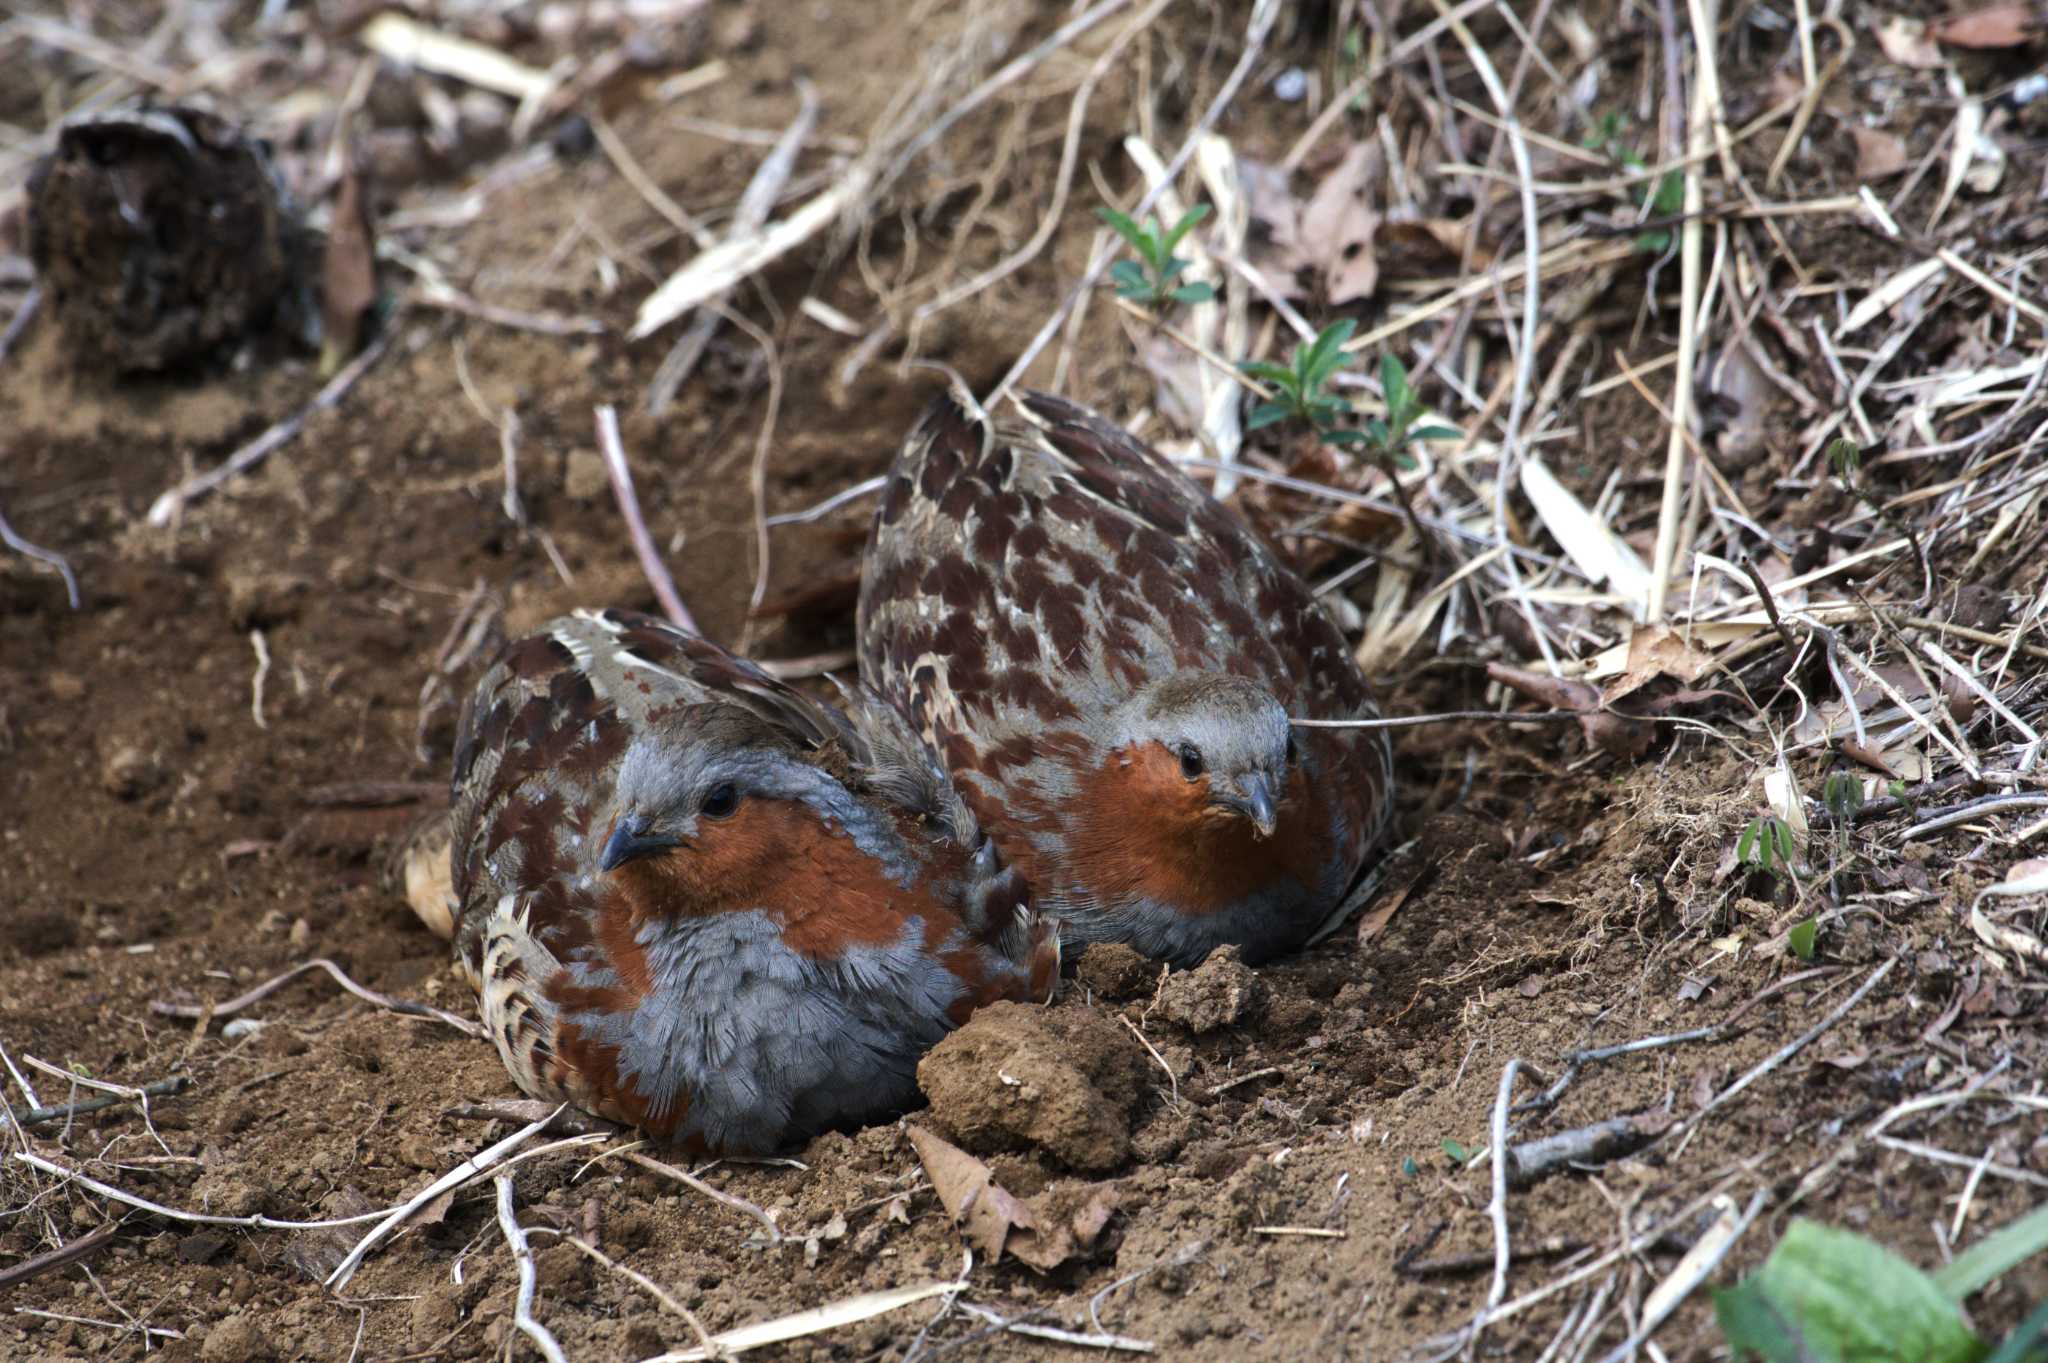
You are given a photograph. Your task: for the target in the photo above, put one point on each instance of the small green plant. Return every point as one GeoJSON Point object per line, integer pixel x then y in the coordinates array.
{"type": "Point", "coordinates": [1458, 1153]}
{"type": "Point", "coordinates": [1389, 438]}
{"type": "Point", "coordinates": [1150, 278]}
{"type": "Point", "coordinates": [1303, 394]}
{"type": "Point", "coordinates": [1767, 844]}
{"type": "Point", "coordinates": [1302, 385]}
{"type": "Point", "coordinates": [1801, 938]}
{"type": "Point", "coordinates": [1845, 456]}
{"type": "Point", "coordinates": [1662, 201]}
{"type": "Point", "coordinates": [1832, 1296]}
{"type": "Point", "coordinates": [1842, 793]}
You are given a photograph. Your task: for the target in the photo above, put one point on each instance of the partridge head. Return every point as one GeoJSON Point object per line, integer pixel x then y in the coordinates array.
{"type": "Point", "coordinates": [695, 900]}
{"type": "Point", "coordinates": [1108, 662]}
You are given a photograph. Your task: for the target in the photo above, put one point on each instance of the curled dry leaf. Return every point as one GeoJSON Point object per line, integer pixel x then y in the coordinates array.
{"type": "Point", "coordinates": [992, 1220]}
{"type": "Point", "coordinates": [1657, 651]}
{"type": "Point", "coordinates": [1340, 223]}
{"type": "Point", "coordinates": [1613, 734]}
{"type": "Point", "coordinates": [1334, 235]}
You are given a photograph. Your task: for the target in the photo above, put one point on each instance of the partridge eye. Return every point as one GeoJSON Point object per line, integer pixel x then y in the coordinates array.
{"type": "Point", "coordinates": [721, 802]}
{"type": "Point", "coordinates": [1190, 761]}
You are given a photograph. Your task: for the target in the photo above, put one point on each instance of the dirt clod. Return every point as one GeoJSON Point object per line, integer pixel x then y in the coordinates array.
{"type": "Point", "coordinates": [238, 1339]}
{"type": "Point", "coordinates": [1064, 1081]}
{"type": "Point", "coordinates": [1220, 992]}
{"type": "Point", "coordinates": [1116, 972]}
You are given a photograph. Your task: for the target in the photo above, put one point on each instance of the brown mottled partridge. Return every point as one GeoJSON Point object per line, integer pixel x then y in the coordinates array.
{"type": "Point", "coordinates": [697, 901]}
{"type": "Point", "coordinates": [1108, 659]}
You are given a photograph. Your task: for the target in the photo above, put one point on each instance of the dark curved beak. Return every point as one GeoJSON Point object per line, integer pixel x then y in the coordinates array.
{"type": "Point", "coordinates": [631, 839]}
{"type": "Point", "coordinates": [1253, 798]}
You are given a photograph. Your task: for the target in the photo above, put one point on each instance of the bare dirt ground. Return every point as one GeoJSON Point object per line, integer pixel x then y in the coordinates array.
{"type": "Point", "coordinates": [1300, 1161]}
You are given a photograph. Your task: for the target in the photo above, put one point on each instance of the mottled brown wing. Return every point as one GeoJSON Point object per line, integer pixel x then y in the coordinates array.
{"type": "Point", "coordinates": [541, 737]}
{"type": "Point", "coordinates": [1021, 581]}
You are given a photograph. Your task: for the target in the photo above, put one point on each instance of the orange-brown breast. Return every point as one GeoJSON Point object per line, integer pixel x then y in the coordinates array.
{"type": "Point", "coordinates": [1140, 830]}
{"type": "Point", "coordinates": [776, 857]}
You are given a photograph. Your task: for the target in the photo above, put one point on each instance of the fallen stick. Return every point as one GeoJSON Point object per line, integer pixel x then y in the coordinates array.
{"type": "Point", "coordinates": [271, 986]}
{"type": "Point", "coordinates": [167, 507]}
{"type": "Point", "coordinates": [177, 1083]}
{"type": "Point", "coordinates": [522, 1306]}
{"type": "Point", "coordinates": [83, 1248]}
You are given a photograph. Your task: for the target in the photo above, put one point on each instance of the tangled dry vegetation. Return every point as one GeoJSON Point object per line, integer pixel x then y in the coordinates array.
{"type": "Point", "coordinates": [1656, 392]}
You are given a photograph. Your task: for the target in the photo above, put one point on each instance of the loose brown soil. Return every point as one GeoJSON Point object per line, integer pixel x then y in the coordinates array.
{"type": "Point", "coordinates": [170, 837]}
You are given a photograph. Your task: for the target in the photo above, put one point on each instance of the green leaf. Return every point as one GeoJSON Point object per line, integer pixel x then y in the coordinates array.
{"type": "Point", "coordinates": [1122, 224]}
{"type": "Point", "coordinates": [1129, 275]}
{"type": "Point", "coordinates": [1456, 1151]}
{"type": "Point", "coordinates": [1197, 292]}
{"type": "Point", "coordinates": [2024, 1344]}
{"type": "Point", "coordinates": [1341, 436]}
{"type": "Point", "coordinates": [1670, 196]}
{"type": "Point", "coordinates": [1170, 271]}
{"type": "Point", "coordinates": [1436, 433]}
{"type": "Point", "coordinates": [1409, 1166]}
{"type": "Point", "coordinates": [1184, 226]}
{"type": "Point", "coordinates": [2004, 1249]}
{"type": "Point", "coordinates": [1653, 243]}
{"type": "Point", "coordinates": [1266, 413]}
{"type": "Point", "coordinates": [1846, 456]}
{"type": "Point", "coordinates": [1394, 383]}
{"type": "Point", "coordinates": [1325, 355]}
{"type": "Point", "coordinates": [1801, 938]}
{"type": "Point", "coordinates": [1405, 462]}
{"type": "Point", "coordinates": [1831, 1296]}
{"type": "Point", "coordinates": [1376, 431]}
{"type": "Point", "coordinates": [1269, 373]}
{"type": "Point", "coordinates": [1745, 846]}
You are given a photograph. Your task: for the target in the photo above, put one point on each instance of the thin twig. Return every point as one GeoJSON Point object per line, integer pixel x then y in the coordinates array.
{"type": "Point", "coordinates": [473, 1167]}
{"type": "Point", "coordinates": [371, 996]}
{"type": "Point", "coordinates": [629, 508]}
{"type": "Point", "coordinates": [522, 1307]}
{"type": "Point", "coordinates": [167, 507]}
{"type": "Point", "coordinates": [719, 1195]}
{"type": "Point", "coordinates": [1264, 12]}
{"type": "Point", "coordinates": [41, 555]}
{"type": "Point", "coordinates": [84, 1247]}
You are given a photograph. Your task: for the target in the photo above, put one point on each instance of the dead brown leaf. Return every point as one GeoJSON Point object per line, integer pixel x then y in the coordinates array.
{"type": "Point", "coordinates": [1340, 222]}
{"type": "Point", "coordinates": [1905, 42]}
{"type": "Point", "coordinates": [348, 273]}
{"type": "Point", "coordinates": [1879, 154]}
{"type": "Point", "coordinates": [1657, 651]}
{"type": "Point", "coordinates": [1994, 26]}
{"type": "Point", "coordinates": [994, 1221]}
{"type": "Point", "coordinates": [1613, 734]}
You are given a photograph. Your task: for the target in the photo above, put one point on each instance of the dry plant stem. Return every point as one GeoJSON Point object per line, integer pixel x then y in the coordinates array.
{"type": "Point", "coordinates": [982, 93]}
{"type": "Point", "coordinates": [476, 1164]}
{"type": "Point", "coordinates": [1665, 556]}
{"type": "Point", "coordinates": [757, 474]}
{"type": "Point", "coordinates": [41, 555]}
{"type": "Point", "coordinates": [1123, 1343]}
{"type": "Point", "coordinates": [110, 1192]}
{"type": "Point", "coordinates": [1264, 13]}
{"type": "Point", "coordinates": [34, 1116]}
{"type": "Point", "coordinates": [1797, 1044]}
{"type": "Point", "coordinates": [522, 1309]}
{"type": "Point", "coordinates": [167, 507]}
{"type": "Point", "coordinates": [23, 315]}
{"type": "Point", "coordinates": [370, 996]}
{"type": "Point", "coordinates": [654, 1289]}
{"type": "Point", "coordinates": [719, 1195]}
{"type": "Point", "coordinates": [756, 202]}
{"type": "Point", "coordinates": [1497, 1208]}
{"type": "Point", "coordinates": [1975, 809]}
{"type": "Point", "coordinates": [1525, 356]}
{"type": "Point", "coordinates": [1062, 181]}
{"type": "Point", "coordinates": [1695, 1268]}
{"type": "Point", "coordinates": [629, 509]}
{"type": "Point", "coordinates": [84, 1247]}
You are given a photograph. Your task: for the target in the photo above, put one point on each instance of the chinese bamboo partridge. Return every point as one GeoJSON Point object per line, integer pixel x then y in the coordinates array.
{"type": "Point", "coordinates": [695, 900]}
{"type": "Point", "coordinates": [1107, 660]}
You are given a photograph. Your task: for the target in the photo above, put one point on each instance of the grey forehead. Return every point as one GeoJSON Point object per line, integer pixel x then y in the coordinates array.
{"type": "Point", "coordinates": [670, 762]}
{"type": "Point", "coordinates": [1231, 719]}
